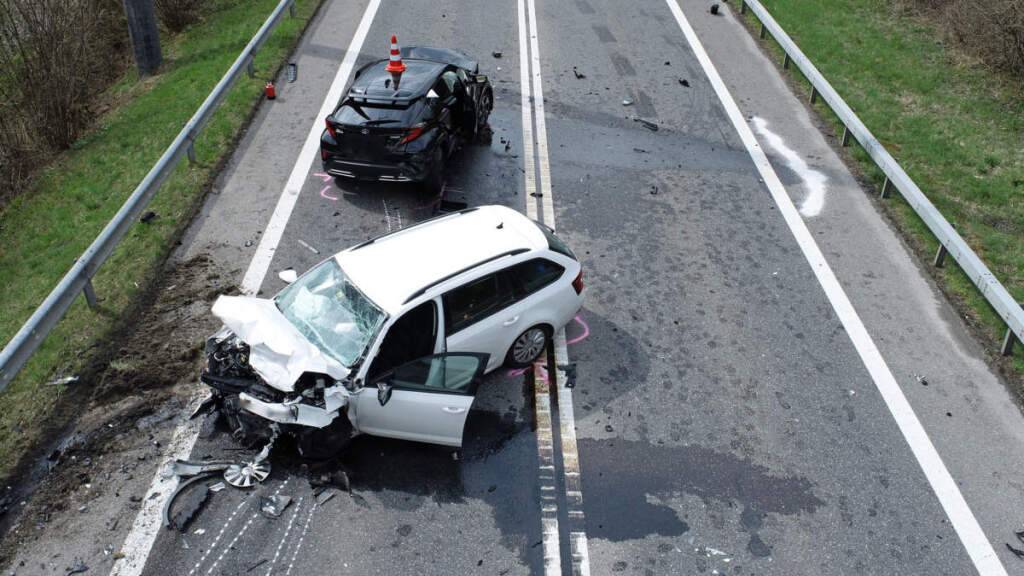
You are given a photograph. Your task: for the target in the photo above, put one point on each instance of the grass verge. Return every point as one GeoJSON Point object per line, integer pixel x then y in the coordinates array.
{"type": "Point", "coordinates": [954, 125]}
{"type": "Point", "coordinates": [44, 229]}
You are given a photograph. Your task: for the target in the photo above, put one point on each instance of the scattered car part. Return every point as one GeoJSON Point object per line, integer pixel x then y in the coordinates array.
{"type": "Point", "coordinates": [274, 506]}
{"type": "Point", "coordinates": [206, 405]}
{"type": "Point", "coordinates": [247, 474]}
{"type": "Point", "coordinates": [714, 9]}
{"type": "Point", "coordinates": [193, 504]}
{"type": "Point", "coordinates": [579, 75]}
{"type": "Point", "coordinates": [293, 72]}
{"type": "Point", "coordinates": [647, 124]}
{"type": "Point", "coordinates": [325, 496]}
{"type": "Point", "coordinates": [288, 275]}
{"type": "Point", "coordinates": [64, 380]}
{"type": "Point", "coordinates": [627, 101]}
{"type": "Point", "coordinates": [192, 468]}
{"type": "Point", "coordinates": [335, 479]}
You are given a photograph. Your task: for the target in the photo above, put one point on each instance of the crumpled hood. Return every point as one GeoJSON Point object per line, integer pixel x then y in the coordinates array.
{"type": "Point", "coordinates": [278, 352]}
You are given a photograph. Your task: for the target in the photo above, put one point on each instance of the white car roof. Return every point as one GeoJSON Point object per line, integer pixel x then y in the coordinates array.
{"type": "Point", "coordinates": [396, 266]}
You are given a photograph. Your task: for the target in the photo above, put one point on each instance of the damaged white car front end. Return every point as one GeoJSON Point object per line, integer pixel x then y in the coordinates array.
{"type": "Point", "coordinates": [290, 360]}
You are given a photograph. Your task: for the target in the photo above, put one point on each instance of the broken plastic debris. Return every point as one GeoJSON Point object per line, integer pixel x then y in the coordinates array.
{"type": "Point", "coordinates": [647, 124]}
{"type": "Point", "coordinates": [217, 487]}
{"type": "Point", "coordinates": [627, 101]}
{"type": "Point", "coordinates": [325, 496]}
{"type": "Point", "coordinates": [288, 275]}
{"type": "Point", "coordinates": [684, 82]}
{"type": "Point", "coordinates": [190, 506]}
{"type": "Point", "coordinates": [274, 506]}
{"type": "Point", "coordinates": [579, 75]}
{"type": "Point", "coordinates": [148, 217]}
{"type": "Point", "coordinates": [293, 72]}
{"type": "Point", "coordinates": [714, 9]}
{"type": "Point", "coordinates": [64, 380]}
{"type": "Point", "coordinates": [307, 246]}
{"type": "Point", "coordinates": [496, 54]}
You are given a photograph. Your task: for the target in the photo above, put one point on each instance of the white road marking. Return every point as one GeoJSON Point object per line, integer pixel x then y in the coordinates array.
{"type": "Point", "coordinates": [284, 538]}
{"type": "Point", "coordinates": [966, 525]}
{"type": "Point", "coordinates": [814, 181]}
{"type": "Point", "coordinates": [524, 90]}
{"type": "Point", "coordinates": [302, 538]}
{"type": "Point", "coordinates": [578, 549]}
{"type": "Point", "coordinates": [213, 545]}
{"type": "Point", "coordinates": [140, 538]}
{"type": "Point", "coordinates": [283, 211]}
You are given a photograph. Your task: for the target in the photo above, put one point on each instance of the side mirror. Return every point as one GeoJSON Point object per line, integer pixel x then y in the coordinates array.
{"type": "Point", "coordinates": [481, 78]}
{"type": "Point", "coordinates": [383, 392]}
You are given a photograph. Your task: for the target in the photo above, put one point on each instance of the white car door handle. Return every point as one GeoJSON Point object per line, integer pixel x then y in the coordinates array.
{"type": "Point", "coordinates": [511, 321]}
{"type": "Point", "coordinates": [453, 409]}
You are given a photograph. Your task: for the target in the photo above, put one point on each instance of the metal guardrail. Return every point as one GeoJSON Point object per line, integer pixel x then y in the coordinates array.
{"type": "Point", "coordinates": [950, 242]}
{"type": "Point", "coordinates": [79, 278]}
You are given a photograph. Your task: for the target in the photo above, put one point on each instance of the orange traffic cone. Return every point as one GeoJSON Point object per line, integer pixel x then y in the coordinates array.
{"type": "Point", "coordinates": [395, 64]}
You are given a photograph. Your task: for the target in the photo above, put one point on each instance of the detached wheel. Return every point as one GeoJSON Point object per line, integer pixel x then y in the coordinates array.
{"type": "Point", "coordinates": [527, 347]}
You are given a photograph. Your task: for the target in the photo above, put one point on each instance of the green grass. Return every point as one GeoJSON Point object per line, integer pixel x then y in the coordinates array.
{"type": "Point", "coordinates": [955, 127]}
{"type": "Point", "coordinates": [45, 228]}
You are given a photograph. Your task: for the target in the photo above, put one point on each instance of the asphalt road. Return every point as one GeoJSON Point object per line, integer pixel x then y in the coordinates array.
{"type": "Point", "coordinates": [725, 422]}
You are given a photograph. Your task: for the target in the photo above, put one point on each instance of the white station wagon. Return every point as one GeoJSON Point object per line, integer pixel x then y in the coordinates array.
{"type": "Point", "coordinates": [395, 332]}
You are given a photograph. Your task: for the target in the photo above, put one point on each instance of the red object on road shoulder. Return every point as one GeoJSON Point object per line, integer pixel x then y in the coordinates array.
{"type": "Point", "coordinates": [270, 91]}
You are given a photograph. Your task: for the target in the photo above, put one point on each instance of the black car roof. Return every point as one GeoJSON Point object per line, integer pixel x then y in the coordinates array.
{"type": "Point", "coordinates": [374, 82]}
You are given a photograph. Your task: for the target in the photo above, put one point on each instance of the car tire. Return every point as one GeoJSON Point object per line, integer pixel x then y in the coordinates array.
{"type": "Point", "coordinates": [483, 113]}
{"type": "Point", "coordinates": [327, 442]}
{"type": "Point", "coordinates": [434, 181]}
{"type": "Point", "coordinates": [527, 347]}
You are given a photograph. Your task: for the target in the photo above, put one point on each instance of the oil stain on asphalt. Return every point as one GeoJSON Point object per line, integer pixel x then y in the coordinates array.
{"type": "Point", "coordinates": [617, 505]}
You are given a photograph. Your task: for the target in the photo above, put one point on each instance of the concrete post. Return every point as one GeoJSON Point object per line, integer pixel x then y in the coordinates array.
{"type": "Point", "coordinates": [142, 27]}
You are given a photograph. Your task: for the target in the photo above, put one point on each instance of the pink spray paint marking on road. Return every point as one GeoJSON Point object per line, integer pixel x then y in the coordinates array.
{"type": "Point", "coordinates": [324, 194]}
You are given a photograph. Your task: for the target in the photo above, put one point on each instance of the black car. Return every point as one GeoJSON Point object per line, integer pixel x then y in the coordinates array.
{"type": "Point", "coordinates": [406, 131]}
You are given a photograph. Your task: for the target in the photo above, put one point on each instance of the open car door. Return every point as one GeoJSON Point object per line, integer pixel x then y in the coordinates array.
{"type": "Point", "coordinates": [426, 400]}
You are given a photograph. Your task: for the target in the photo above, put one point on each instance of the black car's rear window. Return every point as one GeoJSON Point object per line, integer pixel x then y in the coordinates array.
{"type": "Point", "coordinates": [554, 242]}
{"type": "Point", "coordinates": [360, 114]}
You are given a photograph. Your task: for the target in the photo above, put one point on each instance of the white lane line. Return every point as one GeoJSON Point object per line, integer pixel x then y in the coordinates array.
{"type": "Point", "coordinates": [140, 538]}
{"type": "Point", "coordinates": [578, 550]}
{"type": "Point", "coordinates": [966, 525]}
{"type": "Point", "coordinates": [302, 538]}
{"type": "Point", "coordinates": [284, 538]}
{"type": "Point", "coordinates": [213, 545]}
{"type": "Point", "coordinates": [283, 211]}
{"type": "Point", "coordinates": [814, 181]}
{"type": "Point", "coordinates": [546, 470]}
{"type": "Point", "coordinates": [524, 89]}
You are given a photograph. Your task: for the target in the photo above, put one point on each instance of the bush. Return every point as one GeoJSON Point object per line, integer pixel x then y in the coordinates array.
{"type": "Point", "coordinates": [993, 31]}
{"type": "Point", "coordinates": [176, 15]}
{"type": "Point", "coordinates": [55, 55]}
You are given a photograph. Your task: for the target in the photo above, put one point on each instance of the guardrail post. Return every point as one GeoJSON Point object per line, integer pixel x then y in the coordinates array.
{"type": "Point", "coordinates": [191, 152]}
{"type": "Point", "coordinates": [814, 94]}
{"type": "Point", "coordinates": [940, 256]}
{"type": "Point", "coordinates": [785, 61]}
{"type": "Point", "coordinates": [886, 186]}
{"type": "Point", "coordinates": [764, 31]}
{"type": "Point", "coordinates": [291, 10]}
{"type": "Point", "coordinates": [846, 136]}
{"type": "Point", "coordinates": [743, 7]}
{"type": "Point", "coordinates": [1008, 341]}
{"type": "Point", "coordinates": [90, 294]}
{"type": "Point", "coordinates": [250, 66]}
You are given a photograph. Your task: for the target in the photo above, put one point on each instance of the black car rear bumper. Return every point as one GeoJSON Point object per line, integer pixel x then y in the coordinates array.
{"type": "Point", "coordinates": [411, 170]}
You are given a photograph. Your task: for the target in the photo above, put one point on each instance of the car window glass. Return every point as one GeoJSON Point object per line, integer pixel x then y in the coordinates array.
{"type": "Point", "coordinates": [437, 374]}
{"type": "Point", "coordinates": [532, 275]}
{"type": "Point", "coordinates": [353, 114]}
{"type": "Point", "coordinates": [442, 89]}
{"type": "Point", "coordinates": [475, 301]}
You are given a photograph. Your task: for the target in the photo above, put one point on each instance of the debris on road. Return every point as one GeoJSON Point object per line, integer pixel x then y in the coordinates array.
{"type": "Point", "coordinates": [654, 190]}
{"type": "Point", "coordinates": [274, 506]}
{"type": "Point", "coordinates": [1016, 552]}
{"type": "Point", "coordinates": [217, 487]}
{"type": "Point", "coordinates": [627, 101]}
{"type": "Point", "coordinates": [714, 9]}
{"type": "Point", "coordinates": [148, 217]}
{"type": "Point", "coordinates": [496, 54]}
{"type": "Point", "coordinates": [325, 496]}
{"type": "Point", "coordinates": [190, 504]}
{"type": "Point", "coordinates": [293, 72]}
{"type": "Point", "coordinates": [647, 124]}
{"type": "Point", "coordinates": [570, 374]}
{"type": "Point", "coordinates": [256, 565]}
{"type": "Point", "coordinates": [288, 275]}
{"type": "Point", "coordinates": [640, 151]}
{"type": "Point", "coordinates": [335, 479]}
{"type": "Point", "coordinates": [921, 379]}
{"type": "Point", "coordinates": [79, 568]}
{"type": "Point", "coordinates": [579, 75]}
{"type": "Point", "coordinates": [308, 246]}
{"type": "Point", "coordinates": [684, 82]}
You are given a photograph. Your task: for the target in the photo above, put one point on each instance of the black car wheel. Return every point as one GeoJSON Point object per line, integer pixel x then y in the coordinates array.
{"type": "Point", "coordinates": [483, 113]}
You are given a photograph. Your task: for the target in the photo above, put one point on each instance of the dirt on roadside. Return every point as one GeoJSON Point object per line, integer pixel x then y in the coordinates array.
{"type": "Point", "coordinates": [110, 424]}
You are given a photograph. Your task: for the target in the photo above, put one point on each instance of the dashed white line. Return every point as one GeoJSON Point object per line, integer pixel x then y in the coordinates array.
{"type": "Point", "coordinates": [140, 538]}
{"type": "Point", "coordinates": [302, 538]}
{"type": "Point", "coordinates": [284, 538]}
{"type": "Point", "coordinates": [964, 523]}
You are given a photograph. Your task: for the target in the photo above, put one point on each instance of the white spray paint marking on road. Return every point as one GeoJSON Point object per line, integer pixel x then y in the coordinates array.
{"type": "Point", "coordinates": [302, 538]}
{"type": "Point", "coordinates": [578, 549]}
{"type": "Point", "coordinates": [140, 538]}
{"type": "Point", "coordinates": [814, 181]}
{"type": "Point", "coordinates": [959, 513]}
